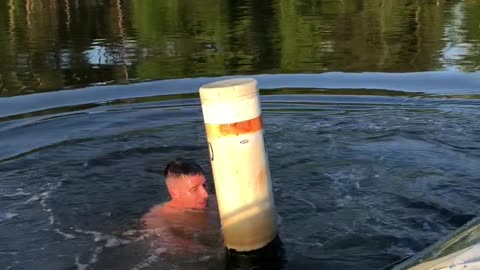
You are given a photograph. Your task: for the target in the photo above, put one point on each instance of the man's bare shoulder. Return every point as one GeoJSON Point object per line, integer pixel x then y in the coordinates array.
{"type": "Point", "coordinates": [157, 210]}
{"type": "Point", "coordinates": [156, 217]}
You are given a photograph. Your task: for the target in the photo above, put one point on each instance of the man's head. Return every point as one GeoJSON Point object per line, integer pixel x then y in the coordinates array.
{"type": "Point", "coordinates": [186, 184]}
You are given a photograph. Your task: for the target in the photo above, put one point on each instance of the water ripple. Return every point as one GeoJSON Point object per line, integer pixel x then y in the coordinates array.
{"type": "Point", "coordinates": [441, 84]}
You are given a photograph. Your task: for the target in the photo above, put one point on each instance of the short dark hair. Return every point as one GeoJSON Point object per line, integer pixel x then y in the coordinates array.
{"type": "Point", "coordinates": [181, 166]}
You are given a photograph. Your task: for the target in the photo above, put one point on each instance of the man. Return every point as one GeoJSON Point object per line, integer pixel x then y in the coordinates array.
{"type": "Point", "coordinates": [186, 184]}
{"type": "Point", "coordinates": [189, 222]}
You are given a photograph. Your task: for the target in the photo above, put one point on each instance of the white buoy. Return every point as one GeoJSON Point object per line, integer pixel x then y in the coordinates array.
{"type": "Point", "coordinates": [234, 127]}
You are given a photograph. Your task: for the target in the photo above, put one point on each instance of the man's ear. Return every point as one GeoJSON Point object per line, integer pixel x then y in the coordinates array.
{"type": "Point", "coordinates": [173, 193]}
{"type": "Point", "coordinates": [171, 188]}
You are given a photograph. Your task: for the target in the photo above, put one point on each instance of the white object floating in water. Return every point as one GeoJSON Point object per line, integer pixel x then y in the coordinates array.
{"type": "Point", "coordinates": [234, 127]}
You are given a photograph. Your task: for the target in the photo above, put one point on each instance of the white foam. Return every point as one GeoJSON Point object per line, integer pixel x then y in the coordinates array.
{"type": "Point", "coordinates": [66, 235]}
{"type": "Point", "coordinates": [94, 257]}
{"type": "Point", "coordinates": [145, 263]}
{"type": "Point", "coordinates": [13, 265]}
{"type": "Point", "coordinates": [303, 243]}
{"type": "Point", "coordinates": [6, 216]}
{"type": "Point", "coordinates": [17, 194]}
{"type": "Point", "coordinates": [115, 242]}
{"type": "Point", "coordinates": [12, 253]}
{"type": "Point", "coordinates": [205, 258]}
{"type": "Point", "coordinates": [143, 234]}
{"type": "Point", "coordinates": [42, 199]}
{"type": "Point", "coordinates": [44, 196]}
{"type": "Point", "coordinates": [94, 233]}
{"type": "Point", "coordinates": [92, 260]}
{"type": "Point", "coordinates": [34, 198]}
{"type": "Point", "coordinates": [110, 240]}
{"type": "Point", "coordinates": [307, 202]}
{"type": "Point", "coordinates": [79, 265]}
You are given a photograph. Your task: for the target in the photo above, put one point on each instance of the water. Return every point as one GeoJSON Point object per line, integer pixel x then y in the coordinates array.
{"type": "Point", "coordinates": [371, 113]}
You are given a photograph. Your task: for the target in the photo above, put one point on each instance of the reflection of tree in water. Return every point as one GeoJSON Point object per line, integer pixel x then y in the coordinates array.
{"type": "Point", "coordinates": [51, 44]}
{"type": "Point", "coordinates": [464, 29]}
{"type": "Point", "coordinates": [362, 35]}
{"type": "Point", "coordinates": [48, 43]}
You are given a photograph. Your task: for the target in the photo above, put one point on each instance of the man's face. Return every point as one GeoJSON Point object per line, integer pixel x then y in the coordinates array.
{"type": "Point", "coordinates": [191, 191]}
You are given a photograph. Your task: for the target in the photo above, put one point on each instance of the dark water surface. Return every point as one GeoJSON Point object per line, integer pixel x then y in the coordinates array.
{"type": "Point", "coordinates": [371, 110]}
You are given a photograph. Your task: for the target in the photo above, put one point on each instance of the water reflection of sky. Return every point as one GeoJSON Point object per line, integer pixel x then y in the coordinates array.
{"type": "Point", "coordinates": [101, 53]}
{"type": "Point", "coordinates": [456, 48]}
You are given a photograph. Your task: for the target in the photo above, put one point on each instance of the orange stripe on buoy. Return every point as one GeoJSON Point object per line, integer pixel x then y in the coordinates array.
{"type": "Point", "coordinates": [234, 129]}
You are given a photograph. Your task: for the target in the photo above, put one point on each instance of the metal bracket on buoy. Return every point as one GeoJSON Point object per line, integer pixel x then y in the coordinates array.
{"type": "Point", "coordinates": [210, 147]}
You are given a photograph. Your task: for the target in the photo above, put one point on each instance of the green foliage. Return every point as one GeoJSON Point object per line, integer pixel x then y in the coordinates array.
{"type": "Point", "coordinates": [50, 44]}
